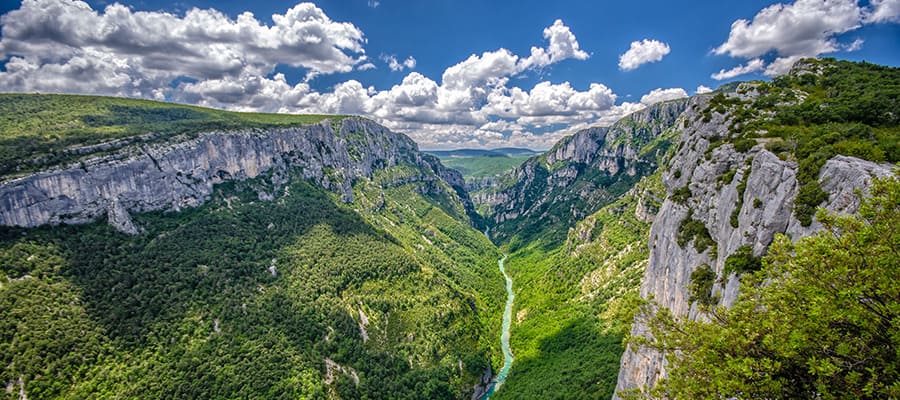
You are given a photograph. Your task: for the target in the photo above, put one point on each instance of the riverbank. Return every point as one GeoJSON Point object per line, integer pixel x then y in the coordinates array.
{"type": "Point", "coordinates": [504, 334]}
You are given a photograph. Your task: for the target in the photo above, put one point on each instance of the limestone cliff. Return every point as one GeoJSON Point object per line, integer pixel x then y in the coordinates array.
{"type": "Point", "coordinates": [581, 173]}
{"type": "Point", "coordinates": [741, 198]}
{"type": "Point", "coordinates": [178, 174]}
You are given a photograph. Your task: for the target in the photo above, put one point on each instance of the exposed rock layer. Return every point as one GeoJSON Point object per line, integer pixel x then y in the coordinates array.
{"type": "Point", "coordinates": [579, 175]}
{"type": "Point", "coordinates": [766, 208]}
{"type": "Point", "coordinates": [171, 176]}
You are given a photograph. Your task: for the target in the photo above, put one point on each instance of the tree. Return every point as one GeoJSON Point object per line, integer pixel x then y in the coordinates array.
{"type": "Point", "coordinates": [821, 319]}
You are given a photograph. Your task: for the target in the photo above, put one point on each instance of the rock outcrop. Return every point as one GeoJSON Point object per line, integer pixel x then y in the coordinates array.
{"type": "Point", "coordinates": [174, 175]}
{"type": "Point", "coordinates": [763, 208]}
{"type": "Point", "coordinates": [582, 172]}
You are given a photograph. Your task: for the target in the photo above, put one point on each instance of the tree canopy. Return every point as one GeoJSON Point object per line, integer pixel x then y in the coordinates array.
{"type": "Point", "coordinates": [821, 319]}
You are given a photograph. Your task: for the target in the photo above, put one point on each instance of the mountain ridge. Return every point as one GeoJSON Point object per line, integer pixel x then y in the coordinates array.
{"type": "Point", "coordinates": [173, 175]}
{"type": "Point", "coordinates": [750, 164]}
{"type": "Point", "coordinates": [285, 261]}
{"type": "Point", "coordinates": [373, 250]}
{"type": "Point", "coordinates": [592, 160]}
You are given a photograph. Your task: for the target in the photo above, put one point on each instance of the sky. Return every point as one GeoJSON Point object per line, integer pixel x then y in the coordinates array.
{"type": "Point", "coordinates": [448, 73]}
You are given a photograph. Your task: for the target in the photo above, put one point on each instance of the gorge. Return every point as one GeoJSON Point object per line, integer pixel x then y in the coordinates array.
{"type": "Point", "coordinates": [328, 257]}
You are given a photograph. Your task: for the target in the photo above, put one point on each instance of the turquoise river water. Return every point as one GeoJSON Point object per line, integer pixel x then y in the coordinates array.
{"type": "Point", "coordinates": [504, 335]}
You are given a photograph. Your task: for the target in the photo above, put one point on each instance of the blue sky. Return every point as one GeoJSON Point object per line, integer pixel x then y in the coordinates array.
{"type": "Point", "coordinates": [465, 73]}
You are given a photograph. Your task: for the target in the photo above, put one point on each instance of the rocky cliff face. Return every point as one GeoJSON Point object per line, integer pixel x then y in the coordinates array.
{"type": "Point", "coordinates": [583, 172]}
{"type": "Point", "coordinates": [753, 190]}
{"type": "Point", "coordinates": [172, 176]}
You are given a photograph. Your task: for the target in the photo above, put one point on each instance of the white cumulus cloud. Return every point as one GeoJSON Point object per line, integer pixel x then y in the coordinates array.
{"type": "Point", "coordinates": [547, 99]}
{"type": "Point", "coordinates": [642, 52]}
{"type": "Point", "coordinates": [207, 58]}
{"type": "Point", "coordinates": [883, 11]}
{"type": "Point", "coordinates": [804, 28]}
{"type": "Point", "coordinates": [703, 89]}
{"type": "Point", "coordinates": [563, 45]}
{"type": "Point", "coordinates": [396, 65]}
{"type": "Point", "coordinates": [660, 95]}
{"type": "Point", "coordinates": [754, 65]}
{"type": "Point", "coordinates": [56, 41]}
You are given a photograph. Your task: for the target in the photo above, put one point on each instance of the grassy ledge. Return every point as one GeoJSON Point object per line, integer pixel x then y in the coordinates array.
{"type": "Point", "coordinates": [43, 130]}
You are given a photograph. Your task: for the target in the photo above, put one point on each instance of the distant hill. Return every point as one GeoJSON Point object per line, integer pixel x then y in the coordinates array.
{"type": "Point", "coordinates": [498, 152]}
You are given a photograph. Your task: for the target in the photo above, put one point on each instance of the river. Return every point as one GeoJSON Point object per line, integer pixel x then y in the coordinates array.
{"type": "Point", "coordinates": [504, 335]}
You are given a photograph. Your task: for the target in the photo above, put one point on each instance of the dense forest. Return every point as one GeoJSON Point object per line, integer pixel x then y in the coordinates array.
{"type": "Point", "coordinates": [298, 297]}
{"type": "Point", "coordinates": [396, 295]}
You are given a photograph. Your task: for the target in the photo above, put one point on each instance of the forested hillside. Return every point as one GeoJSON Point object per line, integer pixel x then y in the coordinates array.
{"type": "Point", "coordinates": [575, 302]}
{"type": "Point", "coordinates": [273, 287]}
{"type": "Point", "coordinates": [326, 257]}
{"type": "Point", "coordinates": [575, 221]}
{"type": "Point", "coordinates": [575, 296]}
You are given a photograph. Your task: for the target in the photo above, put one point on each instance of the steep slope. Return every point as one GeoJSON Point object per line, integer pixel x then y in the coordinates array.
{"type": "Point", "coordinates": [574, 303]}
{"type": "Point", "coordinates": [177, 173]}
{"type": "Point", "coordinates": [313, 261]}
{"type": "Point", "coordinates": [483, 170]}
{"type": "Point", "coordinates": [578, 252]}
{"type": "Point", "coordinates": [544, 196]}
{"type": "Point", "coordinates": [746, 162]}
{"type": "Point", "coordinates": [751, 164]}
{"type": "Point", "coordinates": [38, 131]}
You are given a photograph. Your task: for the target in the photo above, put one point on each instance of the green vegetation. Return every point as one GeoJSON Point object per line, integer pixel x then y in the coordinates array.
{"type": "Point", "coordinates": [577, 258]}
{"type": "Point", "coordinates": [821, 319]}
{"type": "Point", "coordinates": [483, 166]}
{"type": "Point", "coordinates": [241, 298]}
{"type": "Point", "coordinates": [556, 215]}
{"type": "Point", "coordinates": [744, 145]}
{"type": "Point", "coordinates": [575, 303]}
{"type": "Point", "coordinates": [702, 280]}
{"type": "Point", "coordinates": [726, 178]}
{"type": "Point", "coordinates": [552, 210]}
{"type": "Point", "coordinates": [742, 261]}
{"type": "Point", "coordinates": [681, 195]}
{"type": "Point", "coordinates": [693, 230]}
{"type": "Point", "coordinates": [834, 107]}
{"type": "Point", "coordinates": [37, 129]}
{"type": "Point", "coordinates": [809, 196]}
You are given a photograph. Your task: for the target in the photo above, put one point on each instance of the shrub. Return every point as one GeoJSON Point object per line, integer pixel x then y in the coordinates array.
{"type": "Point", "coordinates": [702, 280]}
{"type": "Point", "coordinates": [681, 195]}
{"type": "Point", "coordinates": [808, 198]}
{"type": "Point", "coordinates": [779, 146]}
{"type": "Point", "coordinates": [726, 177]}
{"type": "Point", "coordinates": [744, 145]}
{"type": "Point", "coordinates": [741, 188]}
{"type": "Point", "coordinates": [741, 261]}
{"type": "Point", "coordinates": [691, 229]}
{"type": "Point", "coordinates": [860, 149]}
